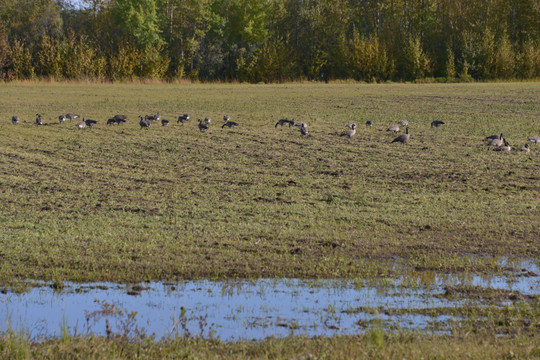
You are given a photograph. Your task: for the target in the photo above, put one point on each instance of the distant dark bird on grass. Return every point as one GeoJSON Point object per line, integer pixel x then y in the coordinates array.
{"type": "Point", "coordinates": [226, 118]}
{"type": "Point", "coordinates": [207, 120]}
{"type": "Point", "coordinates": [493, 137]}
{"type": "Point", "coordinates": [111, 121]}
{"type": "Point", "coordinates": [90, 122]}
{"type": "Point", "coordinates": [39, 120]}
{"type": "Point", "coordinates": [144, 123]}
{"type": "Point", "coordinates": [403, 138]}
{"type": "Point", "coordinates": [437, 123]}
{"type": "Point", "coordinates": [525, 148]}
{"type": "Point", "coordinates": [229, 124]}
{"type": "Point", "coordinates": [72, 116]}
{"type": "Point", "coordinates": [369, 123]}
{"type": "Point", "coordinates": [120, 118]}
{"type": "Point", "coordinates": [164, 122]}
{"type": "Point", "coordinates": [15, 119]}
{"type": "Point", "coordinates": [282, 122]}
{"type": "Point", "coordinates": [303, 129]}
{"type": "Point", "coordinates": [202, 126]}
{"type": "Point", "coordinates": [61, 118]}
{"type": "Point", "coordinates": [183, 118]}
{"type": "Point", "coordinates": [81, 124]}
{"type": "Point", "coordinates": [534, 139]}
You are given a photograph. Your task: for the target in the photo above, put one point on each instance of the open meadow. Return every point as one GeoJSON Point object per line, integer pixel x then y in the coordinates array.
{"type": "Point", "coordinates": [124, 204]}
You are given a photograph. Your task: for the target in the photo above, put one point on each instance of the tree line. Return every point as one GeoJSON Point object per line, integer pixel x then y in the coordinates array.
{"type": "Point", "coordinates": [270, 40]}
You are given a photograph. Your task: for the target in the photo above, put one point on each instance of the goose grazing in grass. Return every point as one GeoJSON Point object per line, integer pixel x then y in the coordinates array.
{"type": "Point", "coordinates": [349, 133]}
{"type": "Point", "coordinates": [15, 119]}
{"type": "Point", "coordinates": [61, 118]}
{"type": "Point", "coordinates": [350, 125]}
{"type": "Point", "coordinates": [226, 118]}
{"type": "Point", "coordinates": [282, 122]}
{"type": "Point", "coordinates": [207, 120]}
{"type": "Point", "coordinates": [369, 123]}
{"type": "Point", "coordinates": [403, 122]}
{"type": "Point", "coordinates": [39, 120]}
{"type": "Point", "coordinates": [164, 122]}
{"type": "Point", "coordinates": [149, 117]}
{"type": "Point", "coordinates": [526, 148]}
{"type": "Point", "coordinates": [183, 118]}
{"type": "Point", "coordinates": [90, 122]}
{"type": "Point", "coordinates": [81, 124]}
{"type": "Point", "coordinates": [230, 124]}
{"type": "Point", "coordinates": [493, 137]}
{"type": "Point", "coordinates": [496, 142]}
{"type": "Point", "coordinates": [202, 126]}
{"type": "Point", "coordinates": [144, 123]}
{"type": "Point", "coordinates": [436, 123]}
{"type": "Point", "coordinates": [393, 128]}
{"type": "Point", "coordinates": [120, 118]}
{"type": "Point", "coordinates": [303, 129]}
{"type": "Point", "coordinates": [506, 147]}
{"type": "Point", "coordinates": [72, 116]}
{"type": "Point", "coordinates": [111, 121]}
{"type": "Point", "coordinates": [403, 138]}
{"type": "Point", "coordinates": [534, 139]}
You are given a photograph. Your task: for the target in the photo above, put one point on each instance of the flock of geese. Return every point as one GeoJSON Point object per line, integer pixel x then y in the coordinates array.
{"type": "Point", "coordinates": [497, 141]}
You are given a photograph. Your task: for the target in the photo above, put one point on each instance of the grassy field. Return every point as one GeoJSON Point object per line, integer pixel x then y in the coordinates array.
{"type": "Point", "coordinates": [123, 204]}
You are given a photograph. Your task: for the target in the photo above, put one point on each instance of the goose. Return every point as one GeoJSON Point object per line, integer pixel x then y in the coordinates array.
{"type": "Point", "coordinates": [183, 118]}
{"type": "Point", "coordinates": [493, 137]}
{"type": "Point", "coordinates": [403, 138]}
{"type": "Point", "coordinates": [164, 122]}
{"type": "Point", "coordinates": [349, 133]}
{"type": "Point", "coordinates": [202, 127]}
{"type": "Point", "coordinates": [534, 139]}
{"type": "Point", "coordinates": [61, 118]}
{"type": "Point", "coordinates": [111, 121]}
{"type": "Point", "coordinates": [505, 147]}
{"type": "Point", "coordinates": [282, 122]}
{"type": "Point", "coordinates": [369, 123]}
{"type": "Point", "coordinates": [90, 122]}
{"type": "Point", "coordinates": [207, 120]}
{"type": "Point", "coordinates": [436, 123]}
{"type": "Point", "coordinates": [303, 129]}
{"type": "Point", "coordinates": [496, 142]}
{"type": "Point", "coordinates": [157, 117]}
{"type": "Point", "coordinates": [149, 117]}
{"type": "Point", "coordinates": [81, 124]}
{"type": "Point", "coordinates": [15, 119]}
{"type": "Point", "coordinates": [119, 118]}
{"type": "Point", "coordinates": [525, 148]}
{"type": "Point", "coordinates": [230, 124]}
{"type": "Point", "coordinates": [226, 118]}
{"type": "Point", "coordinates": [144, 123]}
{"type": "Point", "coordinates": [39, 120]}
{"type": "Point", "coordinates": [300, 124]}
{"type": "Point", "coordinates": [403, 122]}
{"type": "Point", "coordinates": [72, 116]}
{"type": "Point", "coordinates": [393, 128]}
{"type": "Point", "coordinates": [351, 124]}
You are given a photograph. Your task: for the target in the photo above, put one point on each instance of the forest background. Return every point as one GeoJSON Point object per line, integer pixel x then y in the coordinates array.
{"type": "Point", "coordinates": [269, 40]}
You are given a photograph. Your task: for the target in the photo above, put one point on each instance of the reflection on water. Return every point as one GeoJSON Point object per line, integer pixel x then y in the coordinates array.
{"type": "Point", "coordinates": [231, 310]}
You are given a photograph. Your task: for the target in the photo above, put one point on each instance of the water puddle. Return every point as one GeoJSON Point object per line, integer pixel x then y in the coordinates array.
{"type": "Point", "coordinates": [234, 310]}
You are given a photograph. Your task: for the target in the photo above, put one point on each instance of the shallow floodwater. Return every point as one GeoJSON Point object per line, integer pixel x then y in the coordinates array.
{"type": "Point", "coordinates": [233, 310]}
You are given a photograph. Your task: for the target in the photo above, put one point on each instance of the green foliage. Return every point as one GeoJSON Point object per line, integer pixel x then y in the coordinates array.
{"type": "Point", "coordinates": [140, 19]}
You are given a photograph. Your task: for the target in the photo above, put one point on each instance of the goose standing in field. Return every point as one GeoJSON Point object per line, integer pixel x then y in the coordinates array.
{"type": "Point", "coordinates": [230, 124]}
{"type": "Point", "coordinates": [436, 123]}
{"type": "Point", "coordinates": [403, 138]}
{"type": "Point", "coordinates": [526, 148]}
{"type": "Point", "coordinates": [226, 118]}
{"type": "Point", "coordinates": [493, 137]}
{"type": "Point", "coordinates": [369, 123]}
{"type": "Point", "coordinates": [496, 142]}
{"type": "Point", "coordinates": [164, 122]}
{"type": "Point", "coordinates": [282, 122]}
{"type": "Point", "coordinates": [90, 122]}
{"type": "Point", "coordinates": [403, 123]}
{"type": "Point", "coordinates": [81, 124]}
{"type": "Point", "coordinates": [207, 120]}
{"type": "Point", "coordinates": [119, 118]}
{"type": "Point", "coordinates": [111, 121]}
{"type": "Point", "coordinates": [349, 133]}
{"type": "Point", "coordinates": [350, 125]}
{"type": "Point", "coordinates": [183, 118]}
{"type": "Point", "coordinates": [15, 119]}
{"type": "Point", "coordinates": [72, 116]}
{"type": "Point", "coordinates": [144, 123]}
{"type": "Point", "coordinates": [39, 120]}
{"type": "Point", "coordinates": [303, 129]}
{"type": "Point", "coordinates": [202, 127]}
{"type": "Point", "coordinates": [393, 128]}
{"type": "Point", "coordinates": [534, 139]}
{"type": "Point", "coordinates": [149, 117]}
{"type": "Point", "coordinates": [61, 118]}
{"type": "Point", "coordinates": [506, 147]}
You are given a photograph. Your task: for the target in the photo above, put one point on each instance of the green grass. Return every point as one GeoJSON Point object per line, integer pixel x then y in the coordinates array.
{"type": "Point", "coordinates": [124, 204]}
